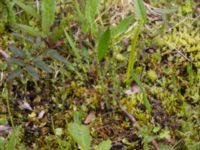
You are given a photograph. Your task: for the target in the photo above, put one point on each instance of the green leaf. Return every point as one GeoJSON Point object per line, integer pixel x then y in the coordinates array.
{"type": "Point", "coordinates": [145, 99]}
{"type": "Point", "coordinates": [29, 30]}
{"type": "Point", "coordinates": [10, 12]}
{"type": "Point", "coordinates": [103, 44]}
{"type": "Point", "coordinates": [14, 74]}
{"type": "Point", "coordinates": [14, 139]}
{"type": "Point", "coordinates": [31, 71]}
{"type": "Point", "coordinates": [105, 145]}
{"type": "Point", "coordinates": [15, 61]}
{"type": "Point", "coordinates": [91, 10]}
{"type": "Point", "coordinates": [121, 27]}
{"type": "Point", "coordinates": [27, 8]}
{"type": "Point", "coordinates": [38, 62]}
{"type": "Point", "coordinates": [48, 15]}
{"type": "Point", "coordinates": [81, 16]}
{"type": "Point", "coordinates": [55, 55]}
{"type": "Point", "coordinates": [133, 53]}
{"type": "Point", "coordinates": [81, 135]}
{"type": "Point", "coordinates": [17, 51]}
{"type": "Point", "coordinates": [72, 44]}
{"type": "Point", "coordinates": [140, 10]}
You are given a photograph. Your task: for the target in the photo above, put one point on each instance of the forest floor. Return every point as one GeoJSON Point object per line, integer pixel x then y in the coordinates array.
{"type": "Point", "coordinates": [40, 96]}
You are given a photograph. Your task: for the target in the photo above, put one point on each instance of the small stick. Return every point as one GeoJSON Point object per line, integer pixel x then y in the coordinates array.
{"type": "Point", "coordinates": [134, 121]}
{"type": "Point", "coordinates": [4, 54]}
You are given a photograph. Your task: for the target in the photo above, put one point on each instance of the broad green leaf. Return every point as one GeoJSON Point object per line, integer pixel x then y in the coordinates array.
{"type": "Point", "coordinates": [105, 145]}
{"type": "Point", "coordinates": [27, 8]}
{"type": "Point", "coordinates": [81, 135]}
{"type": "Point", "coordinates": [29, 30]}
{"type": "Point", "coordinates": [103, 44]}
{"type": "Point", "coordinates": [32, 72]}
{"type": "Point", "coordinates": [121, 27]}
{"type": "Point", "coordinates": [145, 99]}
{"type": "Point", "coordinates": [140, 10]}
{"type": "Point", "coordinates": [16, 51]}
{"type": "Point", "coordinates": [48, 15]}
{"type": "Point", "coordinates": [14, 74]}
{"type": "Point", "coordinates": [38, 62]}
{"type": "Point", "coordinates": [15, 61]}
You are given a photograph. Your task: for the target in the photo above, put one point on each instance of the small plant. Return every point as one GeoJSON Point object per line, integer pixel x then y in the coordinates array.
{"type": "Point", "coordinates": [81, 135]}
{"type": "Point", "coordinates": [13, 141]}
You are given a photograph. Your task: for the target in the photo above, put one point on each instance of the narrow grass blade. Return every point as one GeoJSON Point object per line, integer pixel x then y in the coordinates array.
{"type": "Point", "coordinates": [121, 27]}
{"type": "Point", "coordinates": [72, 45]}
{"type": "Point", "coordinates": [103, 44]}
{"type": "Point", "coordinates": [145, 99]}
{"type": "Point", "coordinates": [133, 53]}
{"type": "Point", "coordinates": [140, 10]}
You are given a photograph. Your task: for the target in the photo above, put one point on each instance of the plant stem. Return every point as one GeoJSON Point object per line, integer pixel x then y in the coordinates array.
{"type": "Point", "coordinates": [9, 86]}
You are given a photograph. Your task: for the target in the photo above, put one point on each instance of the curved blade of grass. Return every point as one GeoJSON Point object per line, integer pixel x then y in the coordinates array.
{"type": "Point", "coordinates": [140, 10]}
{"type": "Point", "coordinates": [103, 44]}
{"type": "Point", "coordinates": [121, 27]}
{"type": "Point", "coordinates": [48, 15]}
{"type": "Point", "coordinates": [72, 45]}
{"type": "Point", "coordinates": [145, 99]}
{"type": "Point", "coordinates": [133, 53]}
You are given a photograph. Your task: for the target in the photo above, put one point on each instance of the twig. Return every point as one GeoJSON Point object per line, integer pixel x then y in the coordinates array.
{"type": "Point", "coordinates": [4, 54]}
{"type": "Point", "coordinates": [134, 121]}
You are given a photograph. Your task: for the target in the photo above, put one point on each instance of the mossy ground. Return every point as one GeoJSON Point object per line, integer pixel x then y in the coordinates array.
{"type": "Point", "coordinates": [168, 65]}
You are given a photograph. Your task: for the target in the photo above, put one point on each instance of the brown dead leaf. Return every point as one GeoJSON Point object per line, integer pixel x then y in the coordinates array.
{"type": "Point", "coordinates": [90, 118]}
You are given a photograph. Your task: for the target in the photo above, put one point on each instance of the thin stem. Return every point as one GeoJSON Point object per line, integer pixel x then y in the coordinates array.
{"type": "Point", "coordinates": [9, 111]}
{"type": "Point", "coordinates": [9, 86]}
